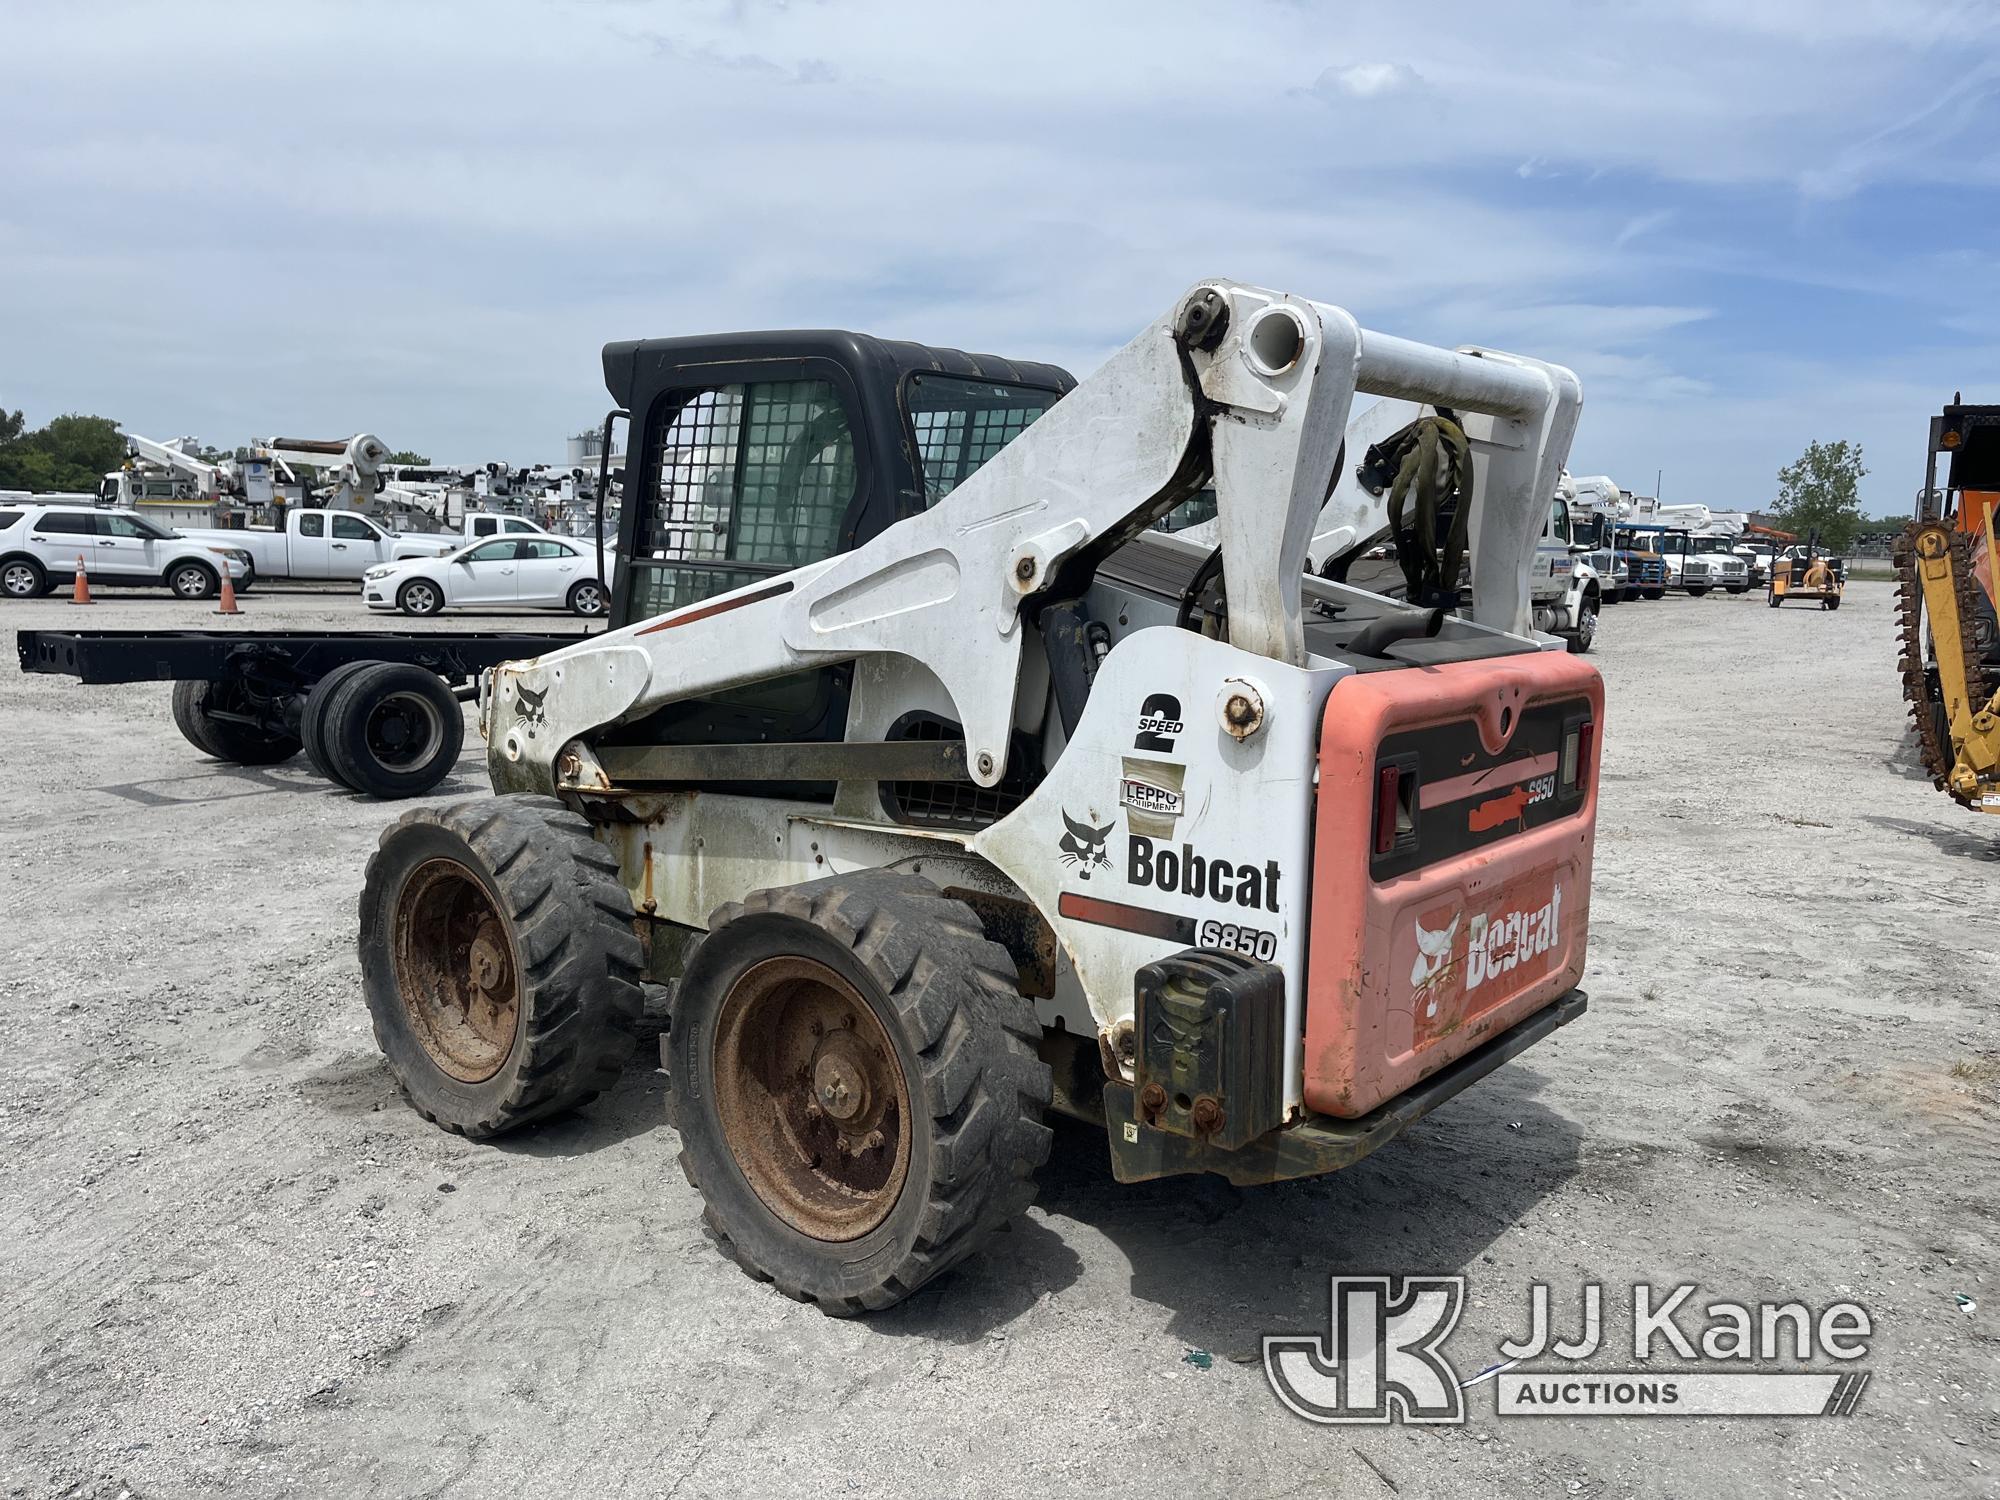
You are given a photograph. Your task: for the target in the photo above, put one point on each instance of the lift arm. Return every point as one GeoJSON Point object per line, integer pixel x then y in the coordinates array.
{"type": "Point", "coordinates": [1250, 386]}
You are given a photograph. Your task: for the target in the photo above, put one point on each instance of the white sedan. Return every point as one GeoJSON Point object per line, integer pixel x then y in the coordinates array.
{"type": "Point", "coordinates": [543, 572]}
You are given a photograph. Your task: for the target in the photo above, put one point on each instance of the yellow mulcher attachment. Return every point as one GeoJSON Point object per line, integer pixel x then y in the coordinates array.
{"type": "Point", "coordinates": [1945, 612]}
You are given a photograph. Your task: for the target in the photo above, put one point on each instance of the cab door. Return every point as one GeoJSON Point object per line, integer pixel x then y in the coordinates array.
{"type": "Point", "coordinates": [354, 546]}
{"type": "Point", "coordinates": [127, 548]}
{"type": "Point", "coordinates": [487, 574]}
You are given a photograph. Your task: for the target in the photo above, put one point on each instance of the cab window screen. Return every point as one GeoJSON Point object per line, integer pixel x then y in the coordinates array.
{"type": "Point", "coordinates": [313, 525]}
{"type": "Point", "coordinates": [960, 424]}
{"type": "Point", "coordinates": [748, 480]}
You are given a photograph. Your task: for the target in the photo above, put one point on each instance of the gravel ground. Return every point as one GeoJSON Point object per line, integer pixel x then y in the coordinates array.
{"type": "Point", "coordinates": [233, 1261]}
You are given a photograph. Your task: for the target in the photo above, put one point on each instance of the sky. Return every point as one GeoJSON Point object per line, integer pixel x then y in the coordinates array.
{"type": "Point", "coordinates": [1746, 224]}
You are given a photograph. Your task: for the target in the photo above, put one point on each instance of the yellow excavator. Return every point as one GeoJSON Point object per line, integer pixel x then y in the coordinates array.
{"type": "Point", "coordinates": [1945, 607]}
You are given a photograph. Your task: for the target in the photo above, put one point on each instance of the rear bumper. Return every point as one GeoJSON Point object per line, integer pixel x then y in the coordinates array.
{"type": "Point", "coordinates": [1317, 1144]}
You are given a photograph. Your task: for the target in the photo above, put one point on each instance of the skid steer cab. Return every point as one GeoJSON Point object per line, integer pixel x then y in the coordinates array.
{"type": "Point", "coordinates": [945, 795]}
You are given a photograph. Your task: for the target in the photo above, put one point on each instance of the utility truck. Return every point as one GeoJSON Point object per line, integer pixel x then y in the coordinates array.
{"type": "Point", "coordinates": [947, 796]}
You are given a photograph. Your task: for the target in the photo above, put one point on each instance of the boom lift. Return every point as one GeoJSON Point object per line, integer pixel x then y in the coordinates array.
{"type": "Point", "coordinates": [1946, 620]}
{"type": "Point", "coordinates": [946, 794]}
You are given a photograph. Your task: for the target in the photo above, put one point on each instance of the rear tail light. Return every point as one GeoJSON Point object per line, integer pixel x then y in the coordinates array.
{"type": "Point", "coordinates": [1577, 746]}
{"type": "Point", "coordinates": [1386, 779]}
{"type": "Point", "coordinates": [1395, 805]}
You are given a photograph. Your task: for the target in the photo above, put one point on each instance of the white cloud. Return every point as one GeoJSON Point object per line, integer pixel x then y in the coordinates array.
{"type": "Point", "coordinates": [1369, 80]}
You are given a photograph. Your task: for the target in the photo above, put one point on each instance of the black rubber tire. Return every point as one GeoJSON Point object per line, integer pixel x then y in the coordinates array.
{"type": "Point", "coordinates": [1834, 602]}
{"type": "Point", "coordinates": [194, 703]}
{"type": "Point", "coordinates": [436, 596]}
{"type": "Point", "coordinates": [349, 744]}
{"type": "Point", "coordinates": [1776, 600]}
{"type": "Point", "coordinates": [1581, 639]}
{"type": "Point", "coordinates": [312, 719]}
{"type": "Point", "coordinates": [35, 576]}
{"type": "Point", "coordinates": [180, 580]}
{"type": "Point", "coordinates": [1744, 590]}
{"type": "Point", "coordinates": [577, 959]}
{"type": "Point", "coordinates": [578, 589]}
{"type": "Point", "coordinates": [1696, 593]}
{"type": "Point", "coordinates": [965, 1040]}
{"type": "Point", "coordinates": [1652, 593]}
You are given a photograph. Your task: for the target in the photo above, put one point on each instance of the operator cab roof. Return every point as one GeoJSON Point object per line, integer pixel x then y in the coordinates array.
{"type": "Point", "coordinates": [634, 366]}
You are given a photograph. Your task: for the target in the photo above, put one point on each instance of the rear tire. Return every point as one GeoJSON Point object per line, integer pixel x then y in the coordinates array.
{"type": "Point", "coordinates": [23, 578]}
{"type": "Point", "coordinates": [197, 704]}
{"type": "Point", "coordinates": [587, 599]}
{"type": "Point", "coordinates": [856, 1087]}
{"type": "Point", "coordinates": [1834, 602]}
{"type": "Point", "coordinates": [1776, 600]}
{"type": "Point", "coordinates": [391, 730]}
{"type": "Point", "coordinates": [312, 719]}
{"type": "Point", "coordinates": [499, 962]}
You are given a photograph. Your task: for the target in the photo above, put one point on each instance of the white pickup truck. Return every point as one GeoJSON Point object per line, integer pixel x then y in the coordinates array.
{"type": "Point", "coordinates": [310, 544]}
{"type": "Point", "coordinates": [338, 544]}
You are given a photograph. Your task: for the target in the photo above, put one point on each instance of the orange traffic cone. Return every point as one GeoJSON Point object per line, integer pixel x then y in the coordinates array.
{"type": "Point", "coordinates": [228, 604]}
{"type": "Point", "coordinates": [81, 593]}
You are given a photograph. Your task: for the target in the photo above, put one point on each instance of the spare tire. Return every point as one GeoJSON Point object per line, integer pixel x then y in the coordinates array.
{"type": "Point", "coordinates": [392, 730]}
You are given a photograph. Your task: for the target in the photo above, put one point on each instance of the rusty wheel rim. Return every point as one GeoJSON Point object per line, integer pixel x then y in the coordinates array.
{"type": "Point", "coordinates": [812, 1098]}
{"type": "Point", "coordinates": [456, 970]}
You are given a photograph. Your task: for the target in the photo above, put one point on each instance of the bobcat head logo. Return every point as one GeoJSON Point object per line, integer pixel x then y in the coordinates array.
{"type": "Point", "coordinates": [1083, 845]}
{"type": "Point", "coordinates": [1433, 959]}
{"type": "Point", "coordinates": [533, 715]}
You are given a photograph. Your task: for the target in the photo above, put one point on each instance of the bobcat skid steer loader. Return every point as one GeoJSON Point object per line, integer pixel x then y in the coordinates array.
{"type": "Point", "coordinates": [945, 794]}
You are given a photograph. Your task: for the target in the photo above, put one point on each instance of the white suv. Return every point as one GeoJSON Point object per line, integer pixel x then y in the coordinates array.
{"type": "Point", "coordinates": [41, 544]}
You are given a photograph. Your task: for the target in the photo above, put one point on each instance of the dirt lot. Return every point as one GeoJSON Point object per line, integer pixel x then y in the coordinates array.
{"type": "Point", "coordinates": [233, 1261]}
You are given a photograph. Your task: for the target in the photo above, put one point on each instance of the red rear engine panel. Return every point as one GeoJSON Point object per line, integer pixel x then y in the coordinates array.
{"type": "Point", "coordinates": [1451, 865]}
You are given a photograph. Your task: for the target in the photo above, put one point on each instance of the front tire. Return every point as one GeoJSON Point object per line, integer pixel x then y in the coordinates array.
{"type": "Point", "coordinates": [856, 1087]}
{"type": "Point", "coordinates": [499, 962]}
{"type": "Point", "coordinates": [23, 578]}
{"type": "Point", "coordinates": [1652, 593]}
{"type": "Point", "coordinates": [193, 581]}
{"type": "Point", "coordinates": [1696, 593]}
{"type": "Point", "coordinates": [420, 597]}
{"type": "Point", "coordinates": [1585, 634]}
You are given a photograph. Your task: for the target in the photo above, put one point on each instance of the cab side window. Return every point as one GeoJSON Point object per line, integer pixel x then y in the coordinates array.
{"type": "Point", "coordinates": [313, 525]}
{"type": "Point", "coordinates": [61, 523]}
{"type": "Point", "coordinates": [747, 480]}
{"type": "Point", "coordinates": [493, 552]}
{"type": "Point", "coordinates": [353, 529]}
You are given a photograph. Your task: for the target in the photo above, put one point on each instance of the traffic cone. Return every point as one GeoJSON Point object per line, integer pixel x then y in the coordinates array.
{"type": "Point", "coordinates": [228, 603]}
{"type": "Point", "coordinates": [81, 593]}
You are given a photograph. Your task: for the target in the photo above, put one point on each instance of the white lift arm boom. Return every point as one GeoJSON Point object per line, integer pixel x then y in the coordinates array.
{"type": "Point", "coordinates": [207, 475]}
{"type": "Point", "coordinates": [1251, 386]}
